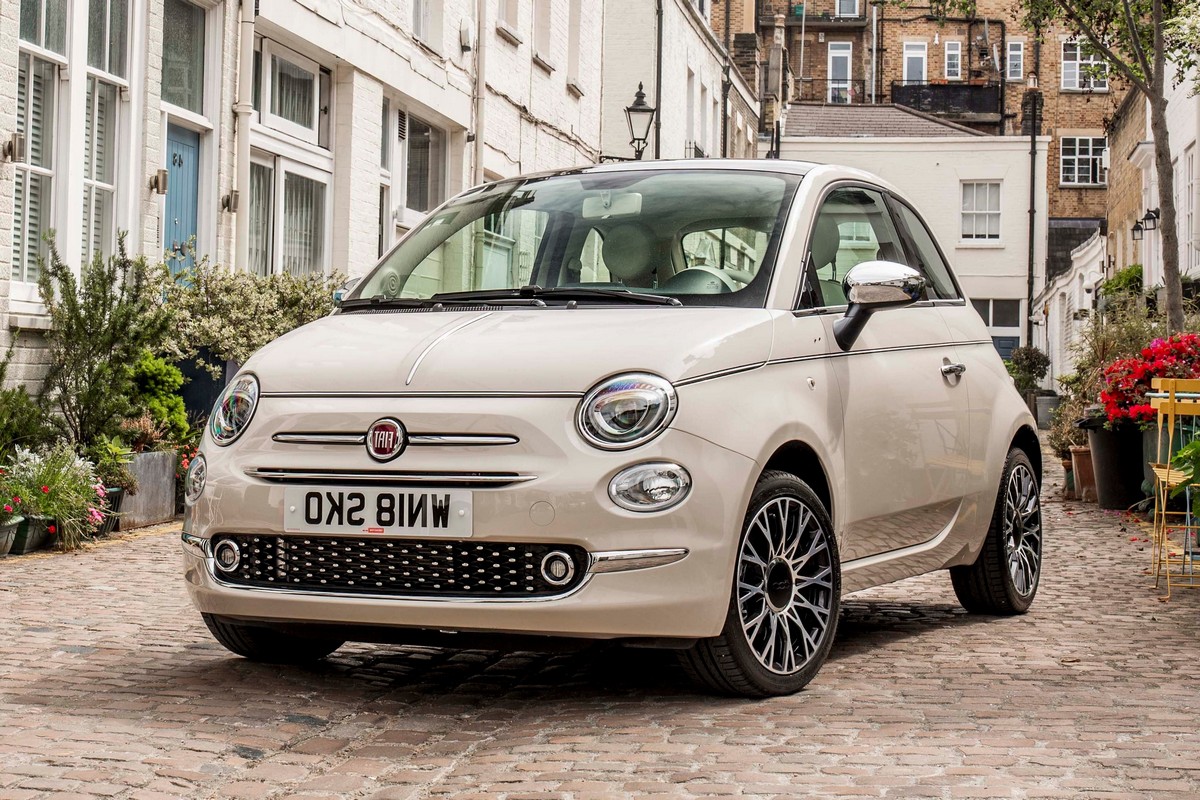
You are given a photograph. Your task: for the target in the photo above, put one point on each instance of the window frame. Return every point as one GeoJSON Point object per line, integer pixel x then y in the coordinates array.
{"type": "Point", "coordinates": [1083, 83]}
{"type": "Point", "coordinates": [844, 50]}
{"type": "Point", "coordinates": [985, 214]}
{"type": "Point", "coordinates": [839, 13]}
{"type": "Point", "coordinates": [21, 287]}
{"type": "Point", "coordinates": [957, 53]}
{"type": "Point", "coordinates": [394, 176]}
{"type": "Point", "coordinates": [1095, 156]}
{"type": "Point", "coordinates": [923, 48]}
{"type": "Point", "coordinates": [97, 80]}
{"type": "Point", "coordinates": [280, 166]}
{"type": "Point", "coordinates": [270, 50]}
{"type": "Point", "coordinates": [1008, 61]}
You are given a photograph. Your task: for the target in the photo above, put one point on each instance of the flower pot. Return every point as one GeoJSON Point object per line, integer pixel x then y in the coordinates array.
{"type": "Point", "coordinates": [115, 494]}
{"type": "Point", "coordinates": [1085, 479]}
{"type": "Point", "coordinates": [1068, 479]}
{"type": "Point", "coordinates": [1117, 465]}
{"type": "Point", "coordinates": [1045, 409]}
{"type": "Point", "coordinates": [33, 533]}
{"type": "Point", "coordinates": [8, 533]}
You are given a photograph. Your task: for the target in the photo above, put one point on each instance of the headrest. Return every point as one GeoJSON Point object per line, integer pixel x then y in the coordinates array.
{"type": "Point", "coordinates": [826, 239]}
{"type": "Point", "coordinates": [629, 251]}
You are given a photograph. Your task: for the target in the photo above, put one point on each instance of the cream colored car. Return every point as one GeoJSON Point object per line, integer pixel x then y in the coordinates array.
{"type": "Point", "coordinates": [678, 404]}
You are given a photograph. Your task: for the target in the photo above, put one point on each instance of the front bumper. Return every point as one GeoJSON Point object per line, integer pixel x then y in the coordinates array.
{"type": "Point", "coordinates": [663, 574]}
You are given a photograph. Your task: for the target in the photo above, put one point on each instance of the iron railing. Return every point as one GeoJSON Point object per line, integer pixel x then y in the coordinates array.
{"type": "Point", "coordinates": [949, 99]}
{"type": "Point", "coordinates": [832, 91]}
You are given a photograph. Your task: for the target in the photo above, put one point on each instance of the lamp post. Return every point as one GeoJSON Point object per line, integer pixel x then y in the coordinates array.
{"type": "Point", "coordinates": [1031, 106]}
{"type": "Point", "coordinates": [640, 116]}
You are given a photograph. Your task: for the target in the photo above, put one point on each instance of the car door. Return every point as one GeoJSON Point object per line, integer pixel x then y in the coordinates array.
{"type": "Point", "coordinates": [904, 413]}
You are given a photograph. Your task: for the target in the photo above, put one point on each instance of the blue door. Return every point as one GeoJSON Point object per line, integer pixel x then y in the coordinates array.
{"type": "Point", "coordinates": [183, 186]}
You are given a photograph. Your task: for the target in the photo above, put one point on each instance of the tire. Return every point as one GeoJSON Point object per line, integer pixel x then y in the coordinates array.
{"type": "Point", "coordinates": [268, 645]}
{"type": "Point", "coordinates": [1004, 578]}
{"type": "Point", "coordinates": [788, 598]}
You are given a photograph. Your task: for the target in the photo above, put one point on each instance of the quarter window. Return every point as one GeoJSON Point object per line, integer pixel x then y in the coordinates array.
{"type": "Point", "coordinates": [981, 210]}
{"type": "Point", "coordinates": [1082, 68]}
{"type": "Point", "coordinates": [1081, 161]}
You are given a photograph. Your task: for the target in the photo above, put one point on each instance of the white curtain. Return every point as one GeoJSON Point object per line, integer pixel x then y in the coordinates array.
{"type": "Point", "coordinates": [292, 89]}
{"type": "Point", "coordinates": [303, 224]}
{"type": "Point", "coordinates": [261, 190]}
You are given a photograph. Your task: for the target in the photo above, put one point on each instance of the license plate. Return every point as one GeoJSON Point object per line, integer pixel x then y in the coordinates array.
{"type": "Point", "coordinates": [372, 510]}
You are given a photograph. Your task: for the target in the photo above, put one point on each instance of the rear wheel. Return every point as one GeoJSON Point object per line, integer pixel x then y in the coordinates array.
{"type": "Point", "coordinates": [786, 593]}
{"type": "Point", "coordinates": [1004, 578]}
{"type": "Point", "coordinates": [272, 646]}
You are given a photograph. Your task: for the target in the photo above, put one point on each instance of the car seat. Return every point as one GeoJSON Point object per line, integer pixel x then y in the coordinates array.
{"type": "Point", "coordinates": [628, 253]}
{"type": "Point", "coordinates": [826, 240]}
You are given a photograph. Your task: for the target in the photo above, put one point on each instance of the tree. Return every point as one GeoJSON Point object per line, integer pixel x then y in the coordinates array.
{"type": "Point", "coordinates": [1141, 41]}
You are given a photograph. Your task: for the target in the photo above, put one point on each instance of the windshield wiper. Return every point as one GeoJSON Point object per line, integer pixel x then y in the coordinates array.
{"type": "Point", "coordinates": [437, 301]}
{"type": "Point", "coordinates": [561, 293]}
{"type": "Point", "coordinates": [382, 302]}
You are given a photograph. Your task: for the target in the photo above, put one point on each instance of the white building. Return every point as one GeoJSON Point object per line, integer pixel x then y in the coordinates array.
{"type": "Point", "coordinates": [303, 138]}
{"type": "Point", "coordinates": [683, 69]}
{"type": "Point", "coordinates": [972, 189]}
{"type": "Point", "coordinates": [1062, 307]}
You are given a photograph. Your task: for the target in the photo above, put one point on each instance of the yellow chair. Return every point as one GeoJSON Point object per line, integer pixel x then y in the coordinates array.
{"type": "Point", "coordinates": [1174, 554]}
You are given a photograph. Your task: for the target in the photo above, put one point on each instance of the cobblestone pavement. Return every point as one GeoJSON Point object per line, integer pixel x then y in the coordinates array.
{"type": "Point", "coordinates": [111, 687]}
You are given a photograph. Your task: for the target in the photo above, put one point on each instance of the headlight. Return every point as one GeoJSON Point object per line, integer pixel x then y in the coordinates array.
{"type": "Point", "coordinates": [194, 480]}
{"type": "Point", "coordinates": [234, 409]}
{"type": "Point", "coordinates": [626, 410]}
{"type": "Point", "coordinates": [650, 487]}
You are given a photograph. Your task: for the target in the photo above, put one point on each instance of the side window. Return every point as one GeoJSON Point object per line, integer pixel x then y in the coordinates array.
{"type": "Point", "coordinates": [926, 258]}
{"type": "Point", "coordinates": [853, 226]}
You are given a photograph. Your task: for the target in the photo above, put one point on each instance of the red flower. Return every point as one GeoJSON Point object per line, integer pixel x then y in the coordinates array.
{"type": "Point", "coordinates": [52, 529]}
{"type": "Point", "coordinates": [45, 490]}
{"type": "Point", "coordinates": [8, 508]}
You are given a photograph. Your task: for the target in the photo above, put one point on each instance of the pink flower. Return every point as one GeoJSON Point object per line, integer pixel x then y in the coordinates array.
{"type": "Point", "coordinates": [7, 508]}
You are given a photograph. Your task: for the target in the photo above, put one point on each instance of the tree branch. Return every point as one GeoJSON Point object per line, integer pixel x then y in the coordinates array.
{"type": "Point", "coordinates": [1113, 59]}
{"type": "Point", "coordinates": [1136, 40]}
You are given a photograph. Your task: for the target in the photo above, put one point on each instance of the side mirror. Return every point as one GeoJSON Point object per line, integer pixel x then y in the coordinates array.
{"type": "Point", "coordinates": [874, 286]}
{"type": "Point", "coordinates": [339, 294]}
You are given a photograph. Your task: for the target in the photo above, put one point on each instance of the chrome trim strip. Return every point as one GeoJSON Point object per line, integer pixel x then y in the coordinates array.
{"type": "Point", "coordinates": [382, 476]}
{"type": "Point", "coordinates": [721, 373]}
{"type": "Point", "coordinates": [211, 571]}
{"type": "Point", "coordinates": [439, 339]}
{"type": "Point", "coordinates": [424, 395]}
{"type": "Point", "coordinates": [414, 439]}
{"type": "Point", "coordinates": [196, 545]}
{"type": "Point", "coordinates": [625, 560]}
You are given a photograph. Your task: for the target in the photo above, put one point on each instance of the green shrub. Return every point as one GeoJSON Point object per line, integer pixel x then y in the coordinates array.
{"type": "Point", "coordinates": [156, 392]}
{"type": "Point", "coordinates": [101, 323]}
{"type": "Point", "coordinates": [22, 418]}
{"type": "Point", "coordinates": [1028, 365]}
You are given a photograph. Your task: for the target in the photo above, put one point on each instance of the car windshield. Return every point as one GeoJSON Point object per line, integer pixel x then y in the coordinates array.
{"type": "Point", "coordinates": [692, 237]}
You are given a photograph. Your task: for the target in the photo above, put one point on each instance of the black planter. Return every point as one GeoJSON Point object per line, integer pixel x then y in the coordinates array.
{"type": "Point", "coordinates": [115, 494]}
{"type": "Point", "coordinates": [1117, 461]}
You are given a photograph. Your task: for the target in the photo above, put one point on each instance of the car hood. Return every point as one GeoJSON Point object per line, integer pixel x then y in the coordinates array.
{"type": "Point", "coordinates": [509, 350]}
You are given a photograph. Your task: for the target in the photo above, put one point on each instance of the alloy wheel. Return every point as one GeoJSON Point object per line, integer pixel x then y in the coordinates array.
{"type": "Point", "coordinates": [1023, 530]}
{"type": "Point", "coordinates": [785, 585]}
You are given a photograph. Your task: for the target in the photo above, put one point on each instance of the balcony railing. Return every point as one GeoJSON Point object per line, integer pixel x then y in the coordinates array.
{"type": "Point", "coordinates": [694, 150]}
{"type": "Point", "coordinates": [832, 91]}
{"type": "Point", "coordinates": [954, 99]}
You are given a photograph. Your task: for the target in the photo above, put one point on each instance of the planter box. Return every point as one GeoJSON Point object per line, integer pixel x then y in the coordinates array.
{"type": "Point", "coordinates": [8, 533]}
{"type": "Point", "coordinates": [155, 500]}
{"type": "Point", "coordinates": [33, 533]}
{"type": "Point", "coordinates": [1085, 480]}
{"type": "Point", "coordinates": [115, 495]}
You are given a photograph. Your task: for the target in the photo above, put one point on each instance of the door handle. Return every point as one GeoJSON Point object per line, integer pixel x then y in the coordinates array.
{"type": "Point", "coordinates": [953, 369]}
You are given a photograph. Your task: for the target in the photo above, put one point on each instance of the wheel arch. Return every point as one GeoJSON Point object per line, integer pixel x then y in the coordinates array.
{"type": "Point", "coordinates": [1027, 440]}
{"type": "Point", "coordinates": [800, 459]}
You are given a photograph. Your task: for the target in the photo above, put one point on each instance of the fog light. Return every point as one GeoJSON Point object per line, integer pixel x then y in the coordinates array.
{"type": "Point", "coordinates": [650, 487]}
{"type": "Point", "coordinates": [194, 480]}
{"type": "Point", "coordinates": [227, 555]}
{"type": "Point", "coordinates": [557, 568]}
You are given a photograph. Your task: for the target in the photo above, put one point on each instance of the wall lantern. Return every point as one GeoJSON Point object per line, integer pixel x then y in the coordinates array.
{"type": "Point", "coordinates": [1150, 221]}
{"type": "Point", "coordinates": [640, 115]}
{"type": "Point", "coordinates": [1137, 231]}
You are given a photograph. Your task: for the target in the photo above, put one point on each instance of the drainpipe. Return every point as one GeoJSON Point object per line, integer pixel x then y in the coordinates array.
{"type": "Point", "coordinates": [874, 47]}
{"type": "Point", "coordinates": [480, 90]}
{"type": "Point", "coordinates": [242, 110]}
{"type": "Point", "coordinates": [658, 80]}
{"type": "Point", "coordinates": [725, 84]}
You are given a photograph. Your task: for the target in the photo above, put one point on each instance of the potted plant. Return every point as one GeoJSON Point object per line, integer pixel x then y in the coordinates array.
{"type": "Point", "coordinates": [113, 458]}
{"type": "Point", "coordinates": [60, 497]}
{"type": "Point", "coordinates": [1028, 366]}
{"type": "Point", "coordinates": [10, 518]}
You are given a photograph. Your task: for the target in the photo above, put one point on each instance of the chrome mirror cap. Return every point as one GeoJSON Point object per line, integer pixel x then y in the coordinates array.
{"type": "Point", "coordinates": [873, 286]}
{"type": "Point", "coordinates": [883, 284]}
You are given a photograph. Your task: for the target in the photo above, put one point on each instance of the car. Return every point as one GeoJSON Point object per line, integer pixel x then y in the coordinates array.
{"type": "Point", "coordinates": [682, 404]}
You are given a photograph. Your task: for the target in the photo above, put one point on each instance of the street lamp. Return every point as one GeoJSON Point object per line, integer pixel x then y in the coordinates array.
{"type": "Point", "coordinates": [1137, 231]}
{"type": "Point", "coordinates": [1150, 221]}
{"type": "Point", "coordinates": [639, 116]}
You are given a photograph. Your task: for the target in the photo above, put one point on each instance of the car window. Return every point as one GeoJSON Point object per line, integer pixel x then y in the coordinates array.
{"type": "Point", "coordinates": [723, 252]}
{"type": "Point", "coordinates": [853, 226]}
{"type": "Point", "coordinates": [925, 256]}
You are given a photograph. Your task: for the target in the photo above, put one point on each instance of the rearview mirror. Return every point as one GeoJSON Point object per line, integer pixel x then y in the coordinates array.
{"type": "Point", "coordinates": [874, 286]}
{"type": "Point", "coordinates": [609, 204]}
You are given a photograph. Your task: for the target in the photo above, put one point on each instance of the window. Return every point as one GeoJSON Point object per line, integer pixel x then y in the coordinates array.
{"type": "Point", "coordinates": [853, 226]}
{"type": "Point", "coordinates": [574, 21]}
{"type": "Point", "coordinates": [44, 23]}
{"type": "Point", "coordinates": [839, 72]}
{"type": "Point", "coordinates": [1015, 63]}
{"type": "Point", "coordinates": [508, 13]}
{"type": "Point", "coordinates": [1081, 161]}
{"type": "Point", "coordinates": [421, 21]}
{"type": "Point", "coordinates": [1003, 319]}
{"type": "Point", "coordinates": [924, 255]}
{"type": "Point", "coordinates": [847, 8]}
{"type": "Point", "coordinates": [288, 217]}
{"type": "Point", "coordinates": [294, 94]}
{"type": "Point", "coordinates": [1082, 68]}
{"type": "Point", "coordinates": [953, 61]}
{"type": "Point", "coordinates": [1193, 255]}
{"type": "Point", "coordinates": [99, 169]}
{"type": "Point", "coordinates": [426, 170]}
{"type": "Point", "coordinates": [914, 62]}
{"type": "Point", "coordinates": [183, 55]}
{"type": "Point", "coordinates": [37, 83]}
{"type": "Point", "coordinates": [543, 18]}
{"type": "Point", "coordinates": [981, 210]}
{"type": "Point", "coordinates": [108, 31]}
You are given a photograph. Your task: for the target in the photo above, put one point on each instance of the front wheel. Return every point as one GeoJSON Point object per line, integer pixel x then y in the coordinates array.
{"type": "Point", "coordinates": [1004, 577]}
{"type": "Point", "coordinates": [786, 594]}
{"type": "Point", "coordinates": [271, 646]}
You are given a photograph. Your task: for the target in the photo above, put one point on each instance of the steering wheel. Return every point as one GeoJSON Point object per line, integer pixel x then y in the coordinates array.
{"type": "Point", "coordinates": [700, 279]}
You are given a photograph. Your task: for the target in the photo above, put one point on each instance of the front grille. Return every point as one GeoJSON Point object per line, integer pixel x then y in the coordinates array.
{"type": "Point", "coordinates": [400, 567]}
